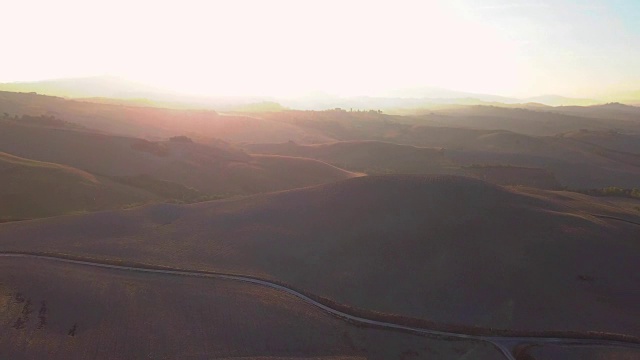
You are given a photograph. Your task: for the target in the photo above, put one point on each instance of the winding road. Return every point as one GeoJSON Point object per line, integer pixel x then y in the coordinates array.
{"type": "Point", "coordinates": [502, 343]}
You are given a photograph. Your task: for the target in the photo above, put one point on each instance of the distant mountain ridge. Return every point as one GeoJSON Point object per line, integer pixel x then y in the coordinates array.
{"type": "Point", "coordinates": [99, 86]}
{"type": "Point", "coordinates": [119, 88]}
{"type": "Point", "coordinates": [557, 100]}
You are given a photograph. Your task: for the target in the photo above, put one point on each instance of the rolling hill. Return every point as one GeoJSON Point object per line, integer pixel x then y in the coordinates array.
{"type": "Point", "coordinates": [469, 139]}
{"type": "Point", "coordinates": [32, 189]}
{"type": "Point", "coordinates": [607, 140]}
{"type": "Point", "coordinates": [367, 156]}
{"type": "Point", "coordinates": [447, 250]}
{"type": "Point", "coordinates": [528, 121]}
{"type": "Point", "coordinates": [575, 165]}
{"type": "Point", "coordinates": [615, 111]}
{"type": "Point", "coordinates": [216, 169]}
{"type": "Point", "coordinates": [375, 157]}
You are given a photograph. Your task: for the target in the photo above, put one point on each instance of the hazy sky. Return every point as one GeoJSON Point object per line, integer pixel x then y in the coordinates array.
{"type": "Point", "coordinates": [347, 47]}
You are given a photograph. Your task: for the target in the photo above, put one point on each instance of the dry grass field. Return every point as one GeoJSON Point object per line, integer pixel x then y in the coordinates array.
{"type": "Point", "coordinates": [573, 352]}
{"type": "Point", "coordinates": [446, 249]}
{"type": "Point", "coordinates": [62, 311]}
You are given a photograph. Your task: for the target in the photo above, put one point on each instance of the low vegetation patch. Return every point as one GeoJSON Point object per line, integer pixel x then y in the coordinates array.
{"type": "Point", "coordinates": [154, 148]}
{"type": "Point", "coordinates": [613, 191]}
{"type": "Point", "coordinates": [173, 192]}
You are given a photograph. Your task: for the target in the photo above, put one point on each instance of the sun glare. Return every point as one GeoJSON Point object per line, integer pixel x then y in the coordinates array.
{"type": "Point", "coordinates": [287, 48]}
{"type": "Point", "coordinates": [280, 48]}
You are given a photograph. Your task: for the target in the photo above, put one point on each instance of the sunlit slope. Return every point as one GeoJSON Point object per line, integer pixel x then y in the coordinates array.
{"type": "Point", "coordinates": [62, 311]}
{"type": "Point", "coordinates": [218, 170]}
{"type": "Point", "coordinates": [35, 189]}
{"type": "Point", "coordinates": [447, 249]}
{"type": "Point", "coordinates": [368, 156]}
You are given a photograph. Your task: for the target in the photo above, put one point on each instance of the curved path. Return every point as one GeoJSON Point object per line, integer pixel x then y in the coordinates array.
{"type": "Point", "coordinates": [502, 343]}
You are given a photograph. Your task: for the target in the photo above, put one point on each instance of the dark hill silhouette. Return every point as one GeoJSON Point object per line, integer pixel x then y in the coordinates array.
{"type": "Point", "coordinates": [447, 249]}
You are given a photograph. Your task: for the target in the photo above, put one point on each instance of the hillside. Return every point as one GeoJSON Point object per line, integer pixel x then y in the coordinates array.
{"type": "Point", "coordinates": [32, 189]}
{"type": "Point", "coordinates": [468, 136]}
{"type": "Point", "coordinates": [393, 244]}
{"type": "Point", "coordinates": [615, 111]}
{"type": "Point", "coordinates": [215, 170]}
{"type": "Point", "coordinates": [61, 311]}
{"type": "Point", "coordinates": [515, 175]}
{"type": "Point", "coordinates": [367, 156]}
{"type": "Point", "coordinates": [574, 164]}
{"type": "Point", "coordinates": [610, 140]}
